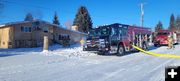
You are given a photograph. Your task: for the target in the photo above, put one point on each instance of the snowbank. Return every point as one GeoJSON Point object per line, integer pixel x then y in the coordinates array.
{"type": "Point", "coordinates": [72, 51]}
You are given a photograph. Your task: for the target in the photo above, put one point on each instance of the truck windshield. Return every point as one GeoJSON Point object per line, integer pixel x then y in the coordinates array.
{"type": "Point", "coordinates": [94, 32]}
{"type": "Point", "coordinates": [104, 31]}
{"type": "Point", "coordinates": [163, 33]}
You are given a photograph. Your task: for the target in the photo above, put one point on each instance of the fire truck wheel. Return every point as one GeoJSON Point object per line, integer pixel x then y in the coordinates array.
{"type": "Point", "coordinates": [120, 51]}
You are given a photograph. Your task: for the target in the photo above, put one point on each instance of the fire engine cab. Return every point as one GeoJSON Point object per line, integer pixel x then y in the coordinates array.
{"type": "Point", "coordinates": [162, 37]}
{"type": "Point", "coordinates": [117, 38]}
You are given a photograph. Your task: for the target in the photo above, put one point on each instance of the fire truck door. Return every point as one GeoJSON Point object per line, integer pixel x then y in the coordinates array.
{"type": "Point", "coordinates": [114, 36]}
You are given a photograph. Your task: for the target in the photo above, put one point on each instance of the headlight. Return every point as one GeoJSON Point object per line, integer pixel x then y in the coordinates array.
{"type": "Point", "coordinates": [101, 40]}
{"type": "Point", "coordinates": [88, 41]}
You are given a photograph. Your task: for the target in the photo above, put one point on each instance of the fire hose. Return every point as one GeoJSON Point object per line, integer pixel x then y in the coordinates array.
{"type": "Point", "coordinates": [156, 54]}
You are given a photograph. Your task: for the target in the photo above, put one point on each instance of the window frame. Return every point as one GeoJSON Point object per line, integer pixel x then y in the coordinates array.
{"type": "Point", "coordinates": [45, 29]}
{"type": "Point", "coordinates": [26, 29]}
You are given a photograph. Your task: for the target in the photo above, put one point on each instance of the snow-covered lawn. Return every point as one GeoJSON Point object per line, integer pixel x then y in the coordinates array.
{"type": "Point", "coordinates": [73, 64]}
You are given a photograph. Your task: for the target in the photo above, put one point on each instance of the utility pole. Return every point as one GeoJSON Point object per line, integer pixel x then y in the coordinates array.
{"type": "Point", "coordinates": [141, 23]}
{"type": "Point", "coordinates": [142, 14]}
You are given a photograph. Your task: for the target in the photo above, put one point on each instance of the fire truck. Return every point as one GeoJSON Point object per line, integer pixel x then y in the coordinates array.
{"type": "Point", "coordinates": [162, 37]}
{"type": "Point", "coordinates": [117, 38]}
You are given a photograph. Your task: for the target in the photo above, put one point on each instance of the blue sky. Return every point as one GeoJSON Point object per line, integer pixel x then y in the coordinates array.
{"type": "Point", "coordinates": [101, 11]}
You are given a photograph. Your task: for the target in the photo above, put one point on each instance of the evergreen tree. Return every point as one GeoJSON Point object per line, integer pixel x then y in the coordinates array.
{"type": "Point", "coordinates": [178, 23]}
{"type": "Point", "coordinates": [29, 17]}
{"type": "Point", "coordinates": [172, 23]}
{"type": "Point", "coordinates": [55, 20]}
{"type": "Point", "coordinates": [159, 26]}
{"type": "Point", "coordinates": [83, 20]}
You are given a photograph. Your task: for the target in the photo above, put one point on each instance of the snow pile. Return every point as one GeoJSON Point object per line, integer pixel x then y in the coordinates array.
{"type": "Point", "coordinates": [71, 52]}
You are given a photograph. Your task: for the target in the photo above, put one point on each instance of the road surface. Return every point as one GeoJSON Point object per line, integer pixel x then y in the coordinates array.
{"type": "Point", "coordinates": [72, 64]}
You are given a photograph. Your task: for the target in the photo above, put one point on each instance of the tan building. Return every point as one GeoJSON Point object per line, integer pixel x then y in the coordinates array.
{"type": "Point", "coordinates": [31, 33]}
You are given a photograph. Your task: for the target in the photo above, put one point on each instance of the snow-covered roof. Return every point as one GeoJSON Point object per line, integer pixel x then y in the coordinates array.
{"type": "Point", "coordinates": [20, 22]}
{"type": "Point", "coordinates": [11, 23]}
{"type": "Point", "coordinates": [2, 25]}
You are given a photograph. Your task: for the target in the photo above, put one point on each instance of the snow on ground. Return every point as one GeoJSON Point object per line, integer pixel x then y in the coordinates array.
{"type": "Point", "coordinates": [73, 51]}
{"type": "Point", "coordinates": [73, 64]}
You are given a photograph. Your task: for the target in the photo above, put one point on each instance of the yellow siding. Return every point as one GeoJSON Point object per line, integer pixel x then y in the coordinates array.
{"type": "Point", "coordinates": [4, 37]}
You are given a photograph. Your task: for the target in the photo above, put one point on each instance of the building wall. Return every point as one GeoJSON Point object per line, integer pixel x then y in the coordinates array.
{"type": "Point", "coordinates": [13, 36]}
{"type": "Point", "coordinates": [33, 38]}
{"type": "Point", "coordinates": [74, 36]}
{"type": "Point", "coordinates": [4, 37]}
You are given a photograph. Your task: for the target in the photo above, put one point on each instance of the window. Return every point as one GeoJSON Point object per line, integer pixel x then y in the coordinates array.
{"type": "Point", "coordinates": [115, 31]}
{"type": "Point", "coordinates": [64, 37]}
{"type": "Point", "coordinates": [104, 31]}
{"type": "Point", "coordinates": [120, 31]}
{"type": "Point", "coordinates": [124, 31]}
{"type": "Point", "coordinates": [94, 32]}
{"type": "Point", "coordinates": [26, 29]}
{"type": "Point", "coordinates": [45, 29]}
{"type": "Point", "coordinates": [163, 33]}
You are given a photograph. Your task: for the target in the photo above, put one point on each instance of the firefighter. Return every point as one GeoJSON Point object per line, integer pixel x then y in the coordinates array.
{"type": "Point", "coordinates": [170, 42]}
{"type": "Point", "coordinates": [136, 40]}
{"type": "Point", "coordinates": [174, 37]}
{"type": "Point", "coordinates": [145, 44]}
{"type": "Point", "coordinates": [82, 42]}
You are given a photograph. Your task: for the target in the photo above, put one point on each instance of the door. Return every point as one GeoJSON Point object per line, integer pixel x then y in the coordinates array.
{"type": "Point", "coordinates": [115, 36]}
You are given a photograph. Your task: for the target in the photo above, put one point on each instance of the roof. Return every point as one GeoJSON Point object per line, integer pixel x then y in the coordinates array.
{"type": "Point", "coordinates": [11, 23]}
{"type": "Point", "coordinates": [119, 24]}
{"type": "Point", "coordinates": [20, 22]}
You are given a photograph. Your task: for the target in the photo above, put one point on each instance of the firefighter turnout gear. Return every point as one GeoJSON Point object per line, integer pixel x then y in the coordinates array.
{"type": "Point", "coordinates": [170, 42]}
